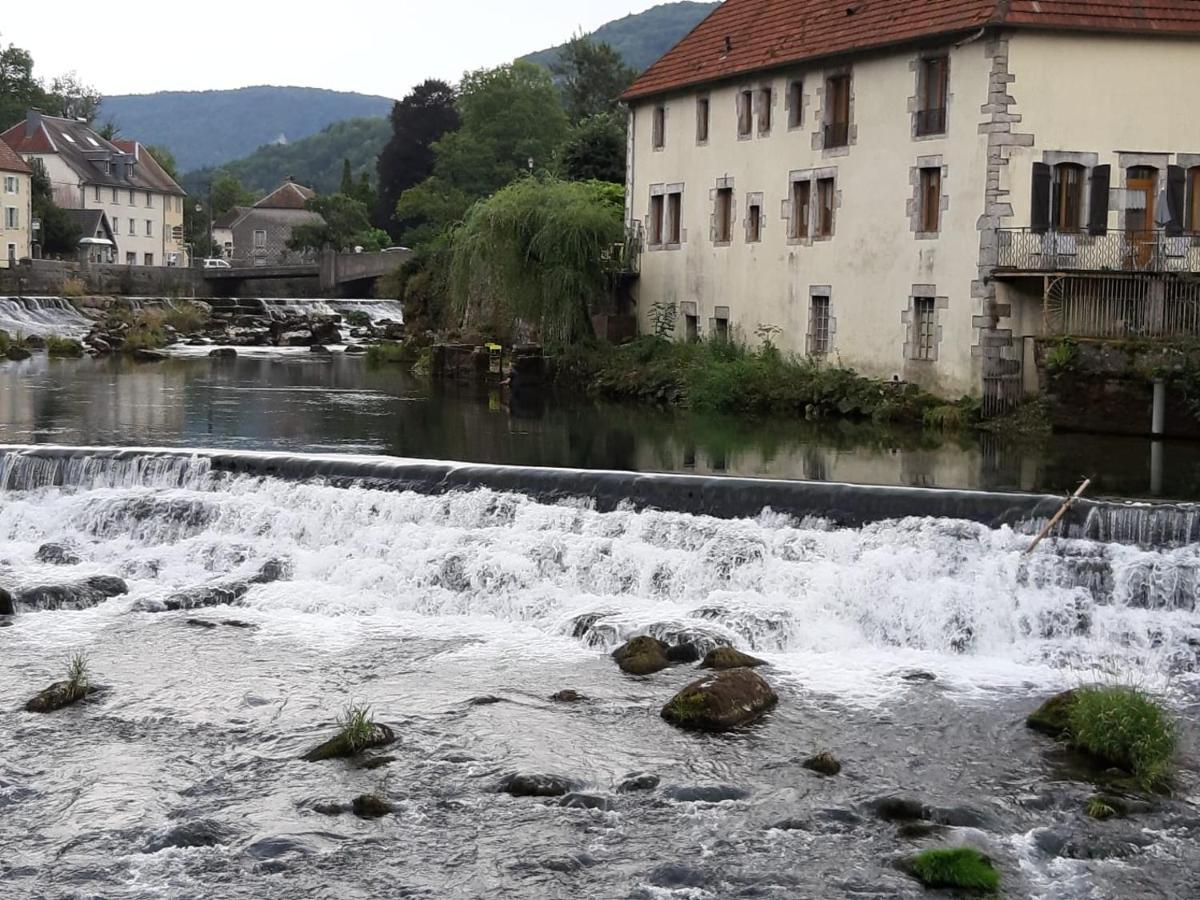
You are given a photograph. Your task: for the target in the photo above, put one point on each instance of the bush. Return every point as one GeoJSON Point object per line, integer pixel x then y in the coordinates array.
{"type": "Point", "coordinates": [64, 347]}
{"type": "Point", "coordinates": [185, 318]}
{"type": "Point", "coordinates": [356, 726]}
{"type": "Point", "coordinates": [961, 867]}
{"type": "Point", "coordinates": [74, 287]}
{"type": "Point", "coordinates": [1125, 728]}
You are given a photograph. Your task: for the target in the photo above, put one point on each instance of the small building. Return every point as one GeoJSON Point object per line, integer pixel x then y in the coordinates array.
{"type": "Point", "coordinates": [921, 189]}
{"type": "Point", "coordinates": [16, 207]}
{"type": "Point", "coordinates": [258, 235]}
{"type": "Point", "coordinates": [97, 243]}
{"type": "Point", "coordinates": [143, 204]}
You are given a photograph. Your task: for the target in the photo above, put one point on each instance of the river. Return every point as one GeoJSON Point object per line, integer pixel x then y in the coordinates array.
{"type": "Point", "coordinates": [911, 648]}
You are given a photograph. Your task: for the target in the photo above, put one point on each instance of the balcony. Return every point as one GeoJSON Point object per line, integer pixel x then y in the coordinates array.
{"type": "Point", "coordinates": [1150, 252]}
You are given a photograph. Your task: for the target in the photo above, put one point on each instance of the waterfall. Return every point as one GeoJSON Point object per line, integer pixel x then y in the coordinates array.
{"type": "Point", "coordinates": [42, 316]}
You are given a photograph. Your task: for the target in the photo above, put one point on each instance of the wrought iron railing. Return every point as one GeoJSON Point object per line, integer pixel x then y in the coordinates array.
{"type": "Point", "coordinates": [1026, 249]}
{"type": "Point", "coordinates": [931, 121]}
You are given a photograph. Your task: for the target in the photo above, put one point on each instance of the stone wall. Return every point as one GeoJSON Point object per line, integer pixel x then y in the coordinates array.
{"type": "Point", "coordinates": [49, 277]}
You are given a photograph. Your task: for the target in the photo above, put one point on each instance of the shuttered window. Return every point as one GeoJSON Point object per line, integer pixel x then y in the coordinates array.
{"type": "Point", "coordinates": [837, 111]}
{"type": "Point", "coordinates": [655, 225]}
{"type": "Point", "coordinates": [825, 203]}
{"type": "Point", "coordinates": [723, 231]}
{"type": "Point", "coordinates": [931, 200]}
{"type": "Point", "coordinates": [801, 208]}
{"type": "Point", "coordinates": [674, 217]}
{"type": "Point", "coordinates": [795, 104]}
{"type": "Point", "coordinates": [765, 99]}
{"type": "Point", "coordinates": [1068, 197]}
{"type": "Point", "coordinates": [754, 223]}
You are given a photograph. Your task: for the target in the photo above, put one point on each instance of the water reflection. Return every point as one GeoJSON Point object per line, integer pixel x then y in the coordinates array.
{"type": "Point", "coordinates": [342, 404]}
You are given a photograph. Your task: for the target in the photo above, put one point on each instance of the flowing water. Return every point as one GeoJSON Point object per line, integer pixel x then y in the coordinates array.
{"type": "Point", "coordinates": [456, 615]}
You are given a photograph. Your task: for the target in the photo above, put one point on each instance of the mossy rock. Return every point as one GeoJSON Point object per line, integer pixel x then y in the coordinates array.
{"type": "Point", "coordinates": [720, 702]}
{"type": "Point", "coordinates": [730, 658]}
{"type": "Point", "coordinates": [17, 354]}
{"type": "Point", "coordinates": [368, 806]}
{"type": "Point", "coordinates": [960, 868]}
{"type": "Point", "coordinates": [342, 747]}
{"type": "Point", "coordinates": [1102, 807]}
{"type": "Point", "coordinates": [642, 655]}
{"type": "Point", "coordinates": [536, 785]}
{"type": "Point", "coordinates": [1053, 717]}
{"type": "Point", "coordinates": [59, 695]}
{"type": "Point", "coordinates": [823, 764]}
{"type": "Point", "coordinates": [568, 696]}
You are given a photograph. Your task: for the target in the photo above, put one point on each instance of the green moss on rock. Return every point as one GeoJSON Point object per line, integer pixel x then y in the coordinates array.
{"type": "Point", "coordinates": [642, 655]}
{"type": "Point", "coordinates": [1053, 717]}
{"type": "Point", "coordinates": [720, 702]}
{"type": "Point", "coordinates": [730, 658]}
{"type": "Point", "coordinates": [960, 867]}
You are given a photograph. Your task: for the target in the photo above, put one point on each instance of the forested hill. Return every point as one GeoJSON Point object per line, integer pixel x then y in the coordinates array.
{"type": "Point", "coordinates": [315, 161]}
{"type": "Point", "coordinates": [644, 37]}
{"type": "Point", "coordinates": [207, 128]}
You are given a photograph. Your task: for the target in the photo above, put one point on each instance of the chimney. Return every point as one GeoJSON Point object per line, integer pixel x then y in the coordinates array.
{"type": "Point", "coordinates": [33, 121]}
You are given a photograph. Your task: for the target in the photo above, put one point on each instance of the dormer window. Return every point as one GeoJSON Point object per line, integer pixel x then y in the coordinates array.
{"type": "Point", "coordinates": [129, 170]}
{"type": "Point", "coordinates": [92, 141]}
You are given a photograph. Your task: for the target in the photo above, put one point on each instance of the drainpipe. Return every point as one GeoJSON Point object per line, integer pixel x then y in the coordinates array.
{"type": "Point", "coordinates": [1158, 417]}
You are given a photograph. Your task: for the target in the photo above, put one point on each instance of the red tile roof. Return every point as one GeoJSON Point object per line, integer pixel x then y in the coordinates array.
{"type": "Point", "coordinates": [742, 36]}
{"type": "Point", "coordinates": [11, 162]}
{"type": "Point", "coordinates": [288, 195]}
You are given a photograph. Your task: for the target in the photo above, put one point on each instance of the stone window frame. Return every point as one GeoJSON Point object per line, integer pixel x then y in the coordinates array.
{"type": "Point", "coordinates": [1127, 161]}
{"type": "Point", "coordinates": [658, 141]}
{"type": "Point", "coordinates": [818, 138]}
{"type": "Point", "coordinates": [793, 80]}
{"type": "Point", "coordinates": [690, 308]}
{"type": "Point", "coordinates": [739, 99]}
{"type": "Point", "coordinates": [814, 291]}
{"type": "Point", "coordinates": [913, 207]}
{"type": "Point", "coordinates": [1089, 161]}
{"type": "Point", "coordinates": [656, 190]}
{"type": "Point", "coordinates": [720, 314]}
{"type": "Point", "coordinates": [753, 199]}
{"type": "Point", "coordinates": [908, 318]}
{"type": "Point", "coordinates": [706, 99]}
{"type": "Point", "coordinates": [673, 188]}
{"type": "Point", "coordinates": [812, 176]}
{"type": "Point", "coordinates": [914, 102]}
{"type": "Point", "coordinates": [762, 88]}
{"type": "Point", "coordinates": [725, 183]}
{"type": "Point", "coordinates": [1189, 162]}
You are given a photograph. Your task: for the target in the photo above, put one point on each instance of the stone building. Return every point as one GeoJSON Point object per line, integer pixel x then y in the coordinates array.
{"type": "Point", "coordinates": [258, 235]}
{"type": "Point", "coordinates": [918, 189]}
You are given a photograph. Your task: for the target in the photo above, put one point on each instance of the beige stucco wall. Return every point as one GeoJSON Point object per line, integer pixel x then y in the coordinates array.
{"type": "Point", "coordinates": [21, 201]}
{"type": "Point", "coordinates": [874, 258]}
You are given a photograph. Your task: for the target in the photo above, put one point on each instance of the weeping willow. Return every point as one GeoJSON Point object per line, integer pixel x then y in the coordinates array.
{"type": "Point", "coordinates": [536, 253]}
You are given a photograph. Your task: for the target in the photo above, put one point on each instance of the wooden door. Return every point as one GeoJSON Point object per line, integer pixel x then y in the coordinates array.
{"type": "Point", "coordinates": [1141, 192]}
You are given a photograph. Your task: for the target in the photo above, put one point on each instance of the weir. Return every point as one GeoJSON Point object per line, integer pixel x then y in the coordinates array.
{"type": "Point", "coordinates": [844, 505]}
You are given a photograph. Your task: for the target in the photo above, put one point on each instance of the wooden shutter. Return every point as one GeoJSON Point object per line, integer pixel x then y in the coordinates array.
{"type": "Point", "coordinates": [1098, 207]}
{"type": "Point", "coordinates": [1039, 215]}
{"type": "Point", "coordinates": [1176, 190]}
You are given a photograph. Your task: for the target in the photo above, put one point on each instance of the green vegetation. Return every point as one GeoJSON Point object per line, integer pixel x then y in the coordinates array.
{"type": "Point", "coordinates": [685, 708]}
{"type": "Point", "coordinates": [534, 252]}
{"type": "Point", "coordinates": [345, 225]}
{"type": "Point", "coordinates": [1061, 357]}
{"type": "Point", "coordinates": [961, 867]}
{"type": "Point", "coordinates": [78, 681]}
{"type": "Point", "coordinates": [152, 328]}
{"type": "Point", "coordinates": [357, 728]}
{"type": "Point", "coordinates": [729, 377]}
{"type": "Point", "coordinates": [952, 416]}
{"type": "Point", "coordinates": [405, 353]}
{"type": "Point", "coordinates": [20, 90]}
{"type": "Point", "coordinates": [1030, 419]}
{"type": "Point", "coordinates": [1100, 807]}
{"type": "Point", "coordinates": [64, 347]}
{"type": "Point", "coordinates": [1125, 728]}
{"type": "Point", "coordinates": [59, 234]}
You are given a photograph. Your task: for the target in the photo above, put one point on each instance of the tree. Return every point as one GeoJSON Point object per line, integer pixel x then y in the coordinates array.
{"type": "Point", "coordinates": [227, 192]}
{"type": "Point", "coordinates": [595, 149]}
{"type": "Point", "coordinates": [58, 235]}
{"type": "Point", "coordinates": [535, 252]}
{"type": "Point", "coordinates": [420, 119]}
{"type": "Point", "coordinates": [592, 77]}
{"type": "Point", "coordinates": [72, 99]}
{"type": "Point", "coordinates": [166, 159]}
{"type": "Point", "coordinates": [345, 226]}
{"type": "Point", "coordinates": [510, 117]}
{"type": "Point", "coordinates": [19, 89]}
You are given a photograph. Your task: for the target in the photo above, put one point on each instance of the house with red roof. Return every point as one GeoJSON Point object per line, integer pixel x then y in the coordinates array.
{"type": "Point", "coordinates": [921, 189]}
{"type": "Point", "coordinates": [142, 203]}
{"type": "Point", "coordinates": [258, 235]}
{"type": "Point", "coordinates": [16, 212]}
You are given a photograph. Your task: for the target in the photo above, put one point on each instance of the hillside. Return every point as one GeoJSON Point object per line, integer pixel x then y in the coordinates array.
{"type": "Point", "coordinates": [207, 128]}
{"type": "Point", "coordinates": [642, 38]}
{"type": "Point", "coordinates": [315, 161]}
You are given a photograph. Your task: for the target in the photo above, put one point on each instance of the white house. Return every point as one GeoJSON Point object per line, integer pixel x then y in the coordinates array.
{"type": "Point", "coordinates": [16, 214]}
{"type": "Point", "coordinates": [918, 187]}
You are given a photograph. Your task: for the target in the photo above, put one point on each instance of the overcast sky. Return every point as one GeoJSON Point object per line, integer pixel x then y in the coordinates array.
{"type": "Point", "coordinates": [370, 46]}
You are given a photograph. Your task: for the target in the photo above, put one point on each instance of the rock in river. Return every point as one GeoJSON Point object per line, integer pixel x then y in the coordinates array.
{"type": "Point", "coordinates": [730, 658]}
{"type": "Point", "coordinates": [642, 655]}
{"type": "Point", "coordinates": [1053, 717]}
{"type": "Point", "coordinates": [56, 555]}
{"type": "Point", "coordinates": [80, 595]}
{"type": "Point", "coordinates": [369, 806]}
{"type": "Point", "coordinates": [535, 785]}
{"type": "Point", "coordinates": [823, 764]}
{"type": "Point", "coordinates": [341, 747]}
{"type": "Point", "coordinates": [720, 702]}
{"type": "Point", "coordinates": [6, 603]}
{"type": "Point", "coordinates": [567, 696]}
{"type": "Point", "coordinates": [59, 695]}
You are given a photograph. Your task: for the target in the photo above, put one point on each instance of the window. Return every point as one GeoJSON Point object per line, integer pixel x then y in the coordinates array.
{"type": "Point", "coordinates": [149, 200]}
{"type": "Point", "coordinates": [825, 202]}
{"type": "Point", "coordinates": [674, 218]}
{"type": "Point", "coordinates": [724, 216]}
{"type": "Point", "coordinates": [129, 173]}
{"type": "Point", "coordinates": [691, 328]}
{"type": "Point", "coordinates": [754, 222]}
{"type": "Point", "coordinates": [11, 185]}
{"type": "Point", "coordinates": [1193, 203]}
{"type": "Point", "coordinates": [658, 127]}
{"type": "Point", "coordinates": [68, 138]}
{"type": "Point", "coordinates": [132, 201]}
{"type": "Point", "coordinates": [801, 208]}
{"type": "Point", "coordinates": [818, 325]}
{"type": "Point", "coordinates": [931, 200]}
{"type": "Point", "coordinates": [933, 82]}
{"type": "Point", "coordinates": [837, 111]}
{"type": "Point", "coordinates": [656, 220]}
{"type": "Point", "coordinates": [765, 96]}
{"type": "Point", "coordinates": [260, 241]}
{"type": "Point", "coordinates": [96, 194]}
{"type": "Point", "coordinates": [131, 259]}
{"type": "Point", "coordinates": [721, 328]}
{"type": "Point", "coordinates": [107, 167]}
{"type": "Point", "coordinates": [702, 110]}
{"type": "Point", "coordinates": [148, 259]}
{"type": "Point", "coordinates": [795, 104]}
{"type": "Point", "coordinates": [1067, 212]}
{"type": "Point", "coordinates": [133, 226]}
{"type": "Point", "coordinates": [12, 254]}
{"type": "Point", "coordinates": [745, 112]}
{"type": "Point", "coordinates": [114, 195]}
{"type": "Point", "coordinates": [924, 345]}
{"type": "Point", "coordinates": [149, 228]}
{"type": "Point", "coordinates": [12, 217]}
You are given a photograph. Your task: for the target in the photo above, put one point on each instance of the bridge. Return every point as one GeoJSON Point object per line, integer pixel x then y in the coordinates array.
{"type": "Point", "coordinates": [332, 270]}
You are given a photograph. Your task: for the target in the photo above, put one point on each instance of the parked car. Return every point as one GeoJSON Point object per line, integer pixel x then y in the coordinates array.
{"type": "Point", "coordinates": [217, 264]}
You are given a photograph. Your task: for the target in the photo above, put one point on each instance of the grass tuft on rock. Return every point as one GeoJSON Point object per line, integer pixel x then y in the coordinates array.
{"type": "Point", "coordinates": [1100, 807]}
{"type": "Point", "coordinates": [78, 679]}
{"type": "Point", "coordinates": [357, 729]}
{"type": "Point", "coordinates": [63, 347]}
{"type": "Point", "coordinates": [1127, 729]}
{"type": "Point", "coordinates": [961, 867]}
